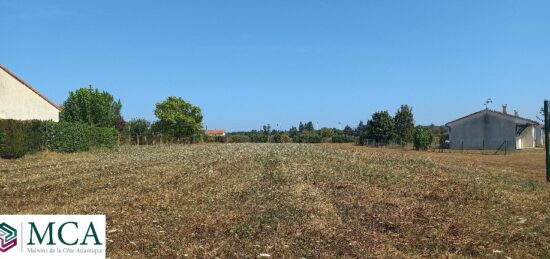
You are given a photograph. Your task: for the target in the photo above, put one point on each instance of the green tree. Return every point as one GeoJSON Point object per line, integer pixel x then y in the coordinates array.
{"type": "Point", "coordinates": [422, 138]}
{"type": "Point", "coordinates": [380, 127]}
{"type": "Point", "coordinates": [178, 118]}
{"type": "Point", "coordinates": [348, 130]}
{"type": "Point", "coordinates": [361, 129]}
{"type": "Point", "coordinates": [90, 106]}
{"type": "Point", "coordinates": [404, 124]}
{"type": "Point", "coordinates": [301, 127]}
{"type": "Point", "coordinates": [293, 132]}
{"type": "Point", "coordinates": [266, 129]}
{"type": "Point", "coordinates": [326, 132]}
{"type": "Point", "coordinates": [139, 127]}
{"type": "Point", "coordinates": [309, 126]}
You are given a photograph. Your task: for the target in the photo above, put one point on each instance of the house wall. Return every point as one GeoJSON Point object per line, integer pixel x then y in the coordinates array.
{"type": "Point", "coordinates": [526, 139]}
{"type": "Point", "coordinates": [539, 136]}
{"type": "Point", "coordinates": [19, 102]}
{"type": "Point", "coordinates": [483, 130]}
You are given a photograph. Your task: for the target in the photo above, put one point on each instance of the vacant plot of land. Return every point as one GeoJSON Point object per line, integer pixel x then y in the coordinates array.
{"type": "Point", "coordinates": [292, 200]}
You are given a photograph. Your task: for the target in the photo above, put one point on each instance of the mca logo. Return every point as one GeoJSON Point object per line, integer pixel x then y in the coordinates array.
{"type": "Point", "coordinates": [8, 237]}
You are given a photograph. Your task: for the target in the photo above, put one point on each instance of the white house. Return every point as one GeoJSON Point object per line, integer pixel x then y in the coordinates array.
{"type": "Point", "coordinates": [21, 101]}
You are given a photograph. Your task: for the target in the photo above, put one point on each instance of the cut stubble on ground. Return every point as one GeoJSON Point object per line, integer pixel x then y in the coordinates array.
{"type": "Point", "coordinates": [292, 200]}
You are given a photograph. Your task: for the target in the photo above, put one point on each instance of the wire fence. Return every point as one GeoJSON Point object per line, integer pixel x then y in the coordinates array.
{"type": "Point", "coordinates": [504, 148]}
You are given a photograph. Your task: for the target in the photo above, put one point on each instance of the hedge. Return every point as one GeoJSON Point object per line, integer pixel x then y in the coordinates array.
{"type": "Point", "coordinates": [308, 137]}
{"type": "Point", "coordinates": [74, 137]}
{"type": "Point", "coordinates": [239, 138]}
{"type": "Point", "coordinates": [18, 138]}
{"type": "Point", "coordinates": [343, 139]}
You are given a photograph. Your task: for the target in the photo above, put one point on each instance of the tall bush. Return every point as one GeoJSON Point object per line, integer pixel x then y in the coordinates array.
{"type": "Point", "coordinates": [90, 106]}
{"type": "Point", "coordinates": [422, 138]}
{"type": "Point", "coordinates": [13, 145]}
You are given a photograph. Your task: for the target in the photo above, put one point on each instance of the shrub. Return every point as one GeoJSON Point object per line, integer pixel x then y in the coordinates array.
{"type": "Point", "coordinates": [343, 139]}
{"type": "Point", "coordinates": [18, 138]}
{"type": "Point", "coordinates": [281, 138]}
{"type": "Point", "coordinates": [258, 137]}
{"type": "Point", "coordinates": [422, 138]}
{"type": "Point", "coordinates": [104, 137]}
{"type": "Point", "coordinates": [21, 137]}
{"type": "Point", "coordinates": [239, 138]}
{"type": "Point", "coordinates": [74, 137]}
{"type": "Point", "coordinates": [69, 137]}
{"type": "Point", "coordinates": [308, 137]}
{"type": "Point", "coordinates": [220, 139]}
{"type": "Point", "coordinates": [13, 145]}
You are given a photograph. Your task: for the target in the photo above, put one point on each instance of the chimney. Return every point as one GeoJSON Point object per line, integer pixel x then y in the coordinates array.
{"type": "Point", "coordinates": [505, 109]}
{"type": "Point", "coordinates": [516, 113]}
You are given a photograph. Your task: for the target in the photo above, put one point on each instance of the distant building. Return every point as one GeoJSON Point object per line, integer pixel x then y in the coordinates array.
{"type": "Point", "coordinates": [20, 101]}
{"type": "Point", "coordinates": [215, 133]}
{"type": "Point", "coordinates": [489, 129]}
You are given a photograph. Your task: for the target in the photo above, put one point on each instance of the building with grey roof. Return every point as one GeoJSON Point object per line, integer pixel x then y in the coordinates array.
{"type": "Point", "coordinates": [489, 129]}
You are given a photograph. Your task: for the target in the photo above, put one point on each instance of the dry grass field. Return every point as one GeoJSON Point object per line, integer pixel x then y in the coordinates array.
{"type": "Point", "coordinates": [292, 200]}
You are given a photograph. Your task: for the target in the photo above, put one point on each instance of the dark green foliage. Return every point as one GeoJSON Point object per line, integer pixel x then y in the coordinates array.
{"type": "Point", "coordinates": [24, 137]}
{"type": "Point", "coordinates": [422, 138]}
{"type": "Point", "coordinates": [404, 124]}
{"type": "Point", "coordinates": [308, 126]}
{"type": "Point", "coordinates": [257, 137]}
{"type": "Point", "coordinates": [74, 137]}
{"type": "Point", "coordinates": [348, 131]}
{"type": "Point", "coordinates": [380, 128]}
{"type": "Point", "coordinates": [343, 139]}
{"type": "Point", "coordinates": [292, 132]}
{"type": "Point", "coordinates": [219, 139]}
{"type": "Point", "coordinates": [14, 145]}
{"type": "Point", "coordinates": [139, 127]}
{"type": "Point", "coordinates": [308, 137]}
{"type": "Point", "coordinates": [21, 137]}
{"type": "Point", "coordinates": [361, 129]}
{"type": "Point", "coordinates": [266, 129]}
{"type": "Point", "coordinates": [239, 138]}
{"type": "Point", "coordinates": [253, 136]}
{"type": "Point", "coordinates": [179, 119]}
{"type": "Point", "coordinates": [92, 107]}
{"type": "Point", "coordinates": [326, 132]}
{"type": "Point", "coordinates": [69, 137]}
{"type": "Point", "coordinates": [104, 137]}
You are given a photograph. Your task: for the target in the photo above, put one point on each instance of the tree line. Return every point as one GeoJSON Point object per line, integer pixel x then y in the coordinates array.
{"type": "Point", "coordinates": [179, 120]}
{"type": "Point", "coordinates": [381, 129]}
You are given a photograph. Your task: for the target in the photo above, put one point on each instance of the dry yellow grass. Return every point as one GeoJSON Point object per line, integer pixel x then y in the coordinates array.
{"type": "Point", "coordinates": [292, 200]}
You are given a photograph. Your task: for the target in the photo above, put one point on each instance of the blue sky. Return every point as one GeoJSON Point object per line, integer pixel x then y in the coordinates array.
{"type": "Point", "coordinates": [249, 63]}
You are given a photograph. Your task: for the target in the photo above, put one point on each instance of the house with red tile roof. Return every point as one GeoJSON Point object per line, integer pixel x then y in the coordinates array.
{"type": "Point", "coordinates": [215, 133]}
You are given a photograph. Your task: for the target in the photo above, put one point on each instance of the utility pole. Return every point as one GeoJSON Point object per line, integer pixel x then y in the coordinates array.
{"type": "Point", "coordinates": [546, 139]}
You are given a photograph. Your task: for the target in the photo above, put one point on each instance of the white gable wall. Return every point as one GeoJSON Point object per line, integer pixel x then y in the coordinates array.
{"type": "Point", "coordinates": [18, 102]}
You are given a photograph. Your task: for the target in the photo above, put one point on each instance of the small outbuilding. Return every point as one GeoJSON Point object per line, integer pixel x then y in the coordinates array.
{"type": "Point", "coordinates": [489, 129]}
{"type": "Point", "coordinates": [20, 101]}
